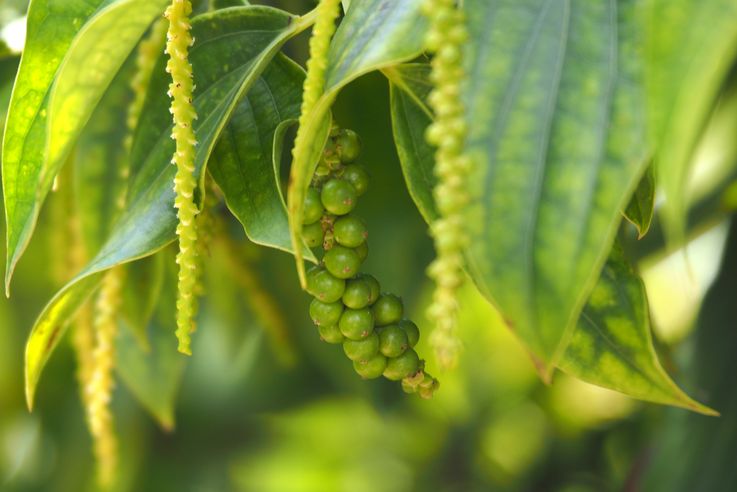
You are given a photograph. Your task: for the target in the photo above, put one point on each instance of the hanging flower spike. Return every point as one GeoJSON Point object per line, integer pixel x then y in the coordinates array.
{"type": "Point", "coordinates": [445, 39]}
{"type": "Point", "coordinates": [180, 90]}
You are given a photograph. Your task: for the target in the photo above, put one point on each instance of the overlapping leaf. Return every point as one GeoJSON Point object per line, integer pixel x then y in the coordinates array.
{"type": "Point", "coordinates": [73, 50]}
{"type": "Point", "coordinates": [374, 34]}
{"type": "Point", "coordinates": [232, 49]}
{"type": "Point", "coordinates": [556, 136]}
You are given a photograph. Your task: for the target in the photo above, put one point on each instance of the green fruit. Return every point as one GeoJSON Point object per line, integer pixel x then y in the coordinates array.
{"type": "Point", "coordinates": [324, 314]}
{"type": "Point", "coordinates": [330, 334]}
{"type": "Point", "coordinates": [400, 367]}
{"type": "Point", "coordinates": [362, 349]}
{"type": "Point", "coordinates": [362, 251]}
{"type": "Point", "coordinates": [356, 324]}
{"type": "Point", "coordinates": [313, 235]}
{"type": "Point", "coordinates": [338, 196]}
{"type": "Point", "coordinates": [349, 145]}
{"type": "Point", "coordinates": [413, 333]}
{"type": "Point", "coordinates": [357, 293]}
{"type": "Point", "coordinates": [358, 177]}
{"type": "Point", "coordinates": [313, 207]}
{"type": "Point", "coordinates": [387, 309]}
{"type": "Point", "coordinates": [324, 286]}
{"type": "Point", "coordinates": [372, 368]}
{"type": "Point", "coordinates": [342, 262]}
{"type": "Point", "coordinates": [393, 341]}
{"type": "Point", "coordinates": [374, 286]}
{"type": "Point", "coordinates": [350, 231]}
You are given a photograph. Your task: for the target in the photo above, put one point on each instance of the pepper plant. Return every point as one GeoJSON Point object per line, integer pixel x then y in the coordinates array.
{"type": "Point", "coordinates": [532, 137]}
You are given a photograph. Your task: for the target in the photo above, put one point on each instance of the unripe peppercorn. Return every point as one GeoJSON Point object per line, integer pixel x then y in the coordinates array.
{"type": "Point", "coordinates": [372, 368]}
{"type": "Point", "coordinates": [342, 262]}
{"type": "Point", "coordinates": [349, 145]}
{"type": "Point", "coordinates": [357, 293]}
{"type": "Point", "coordinates": [313, 234]}
{"type": "Point", "coordinates": [356, 324]}
{"type": "Point", "coordinates": [331, 334]}
{"type": "Point", "coordinates": [362, 251]}
{"type": "Point", "coordinates": [400, 367]}
{"type": "Point", "coordinates": [393, 341]}
{"type": "Point", "coordinates": [350, 231]}
{"type": "Point", "coordinates": [413, 333]}
{"type": "Point", "coordinates": [323, 313]}
{"type": "Point", "coordinates": [358, 177]}
{"type": "Point", "coordinates": [324, 286]}
{"type": "Point", "coordinates": [362, 350]}
{"type": "Point", "coordinates": [387, 309]}
{"type": "Point", "coordinates": [338, 196]}
{"type": "Point", "coordinates": [313, 207]}
{"type": "Point", "coordinates": [374, 286]}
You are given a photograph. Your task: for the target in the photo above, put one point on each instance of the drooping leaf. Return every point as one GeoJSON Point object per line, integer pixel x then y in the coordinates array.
{"type": "Point", "coordinates": [245, 162]}
{"type": "Point", "coordinates": [373, 35]}
{"type": "Point", "coordinates": [142, 289]}
{"type": "Point", "coordinates": [232, 48]}
{"type": "Point", "coordinates": [73, 50]}
{"type": "Point", "coordinates": [153, 374]}
{"type": "Point", "coordinates": [557, 141]}
{"type": "Point", "coordinates": [612, 345]}
{"type": "Point", "coordinates": [690, 47]}
{"type": "Point", "coordinates": [642, 204]}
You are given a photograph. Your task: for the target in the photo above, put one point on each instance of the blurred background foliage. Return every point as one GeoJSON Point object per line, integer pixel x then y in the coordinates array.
{"type": "Point", "coordinates": [265, 406]}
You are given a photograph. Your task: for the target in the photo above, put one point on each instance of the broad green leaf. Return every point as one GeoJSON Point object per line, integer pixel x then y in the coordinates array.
{"type": "Point", "coordinates": [144, 281]}
{"type": "Point", "coordinates": [612, 345]}
{"type": "Point", "coordinates": [642, 204]}
{"type": "Point", "coordinates": [690, 47]}
{"type": "Point", "coordinates": [73, 50]}
{"type": "Point", "coordinates": [153, 375]}
{"type": "Point", "coordinates": [556, 136]}
{"type": "Point", "coordinates": [232, 48]}
{"type": "Point", "coordinates": [374, 34]}
{"type": "Point", "coordinates": [409, 87]}
{"type": "Point", "coordinates": [245, 162]}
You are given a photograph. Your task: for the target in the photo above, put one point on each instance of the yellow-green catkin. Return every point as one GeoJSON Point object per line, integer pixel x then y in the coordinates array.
{"type": "Point", "coordinates": [445, 40]}
{"type": "Point", "coordinates": [178, 43]}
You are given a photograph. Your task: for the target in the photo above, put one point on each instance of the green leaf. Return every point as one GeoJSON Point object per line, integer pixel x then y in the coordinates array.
{"type": "Point", "coordinates": [154, 375]}
{"type": "Point", "coordinates": [411, 115]}
{"type": "Point", "coordinates": [612, 345]}
{"type": "Point", "coordinates": [642, 204]}
{"type": "Point", "coordinates": [556, 137]}
{"type": "Point", "coordinates": [73, 50]}
{"type": "Point", "coordinates": [374, 34]}
{"type": "Point", "coordinates": [245, 162]}
{"type": "Point", "coordinates": [232, 49]}
{"type": "Point", "coordinates": [144, 281]}
{"type": "Point", "coordinates": [691, 45]}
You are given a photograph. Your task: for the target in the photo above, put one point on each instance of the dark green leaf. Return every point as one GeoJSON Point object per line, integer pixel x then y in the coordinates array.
{"type": "Point", "coordinates": [142, 294]}
{"type": "Point", "coordinates": [642, 204]}
{"type": "Point", "coordinates": [557, 139]}
{"type": "Point", "coordinates": [612, 345]}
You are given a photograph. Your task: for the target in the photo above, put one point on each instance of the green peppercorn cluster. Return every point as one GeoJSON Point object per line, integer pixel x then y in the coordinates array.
{"type": "Point", "coordinates": [348, 306]}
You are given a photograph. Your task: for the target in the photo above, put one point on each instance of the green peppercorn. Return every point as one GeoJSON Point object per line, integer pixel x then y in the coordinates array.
{"type": "Point", "coordinates": [413, 333]}
{"type": "Point", "coordinates": [356, 324]}
{"type": "Point", "coordinates": [373, 286]}
{"type": "Point", "coordinates": [350, 231]}
{"type": "Point", "coordinates": [393, 341]}
{"type": "Point", "coordinates": [330, 334]}
{"type": "Point", "coordinates": [358, 177]}
{"type": "Point", "coordinates": [362, 349]}
{"type": "Point", "coordinates": [313, 207]}
{"type": "Point", "coordinates": [372, 368]}
{"type": "Point", "coordinates": [324, 286]}
{"type": "Point", "coordinates": [349, 145]}
{"type": "Point", "coordinates": [362, 251]}
{"type": "Point", "coordinates": [342, 262]}
{"type": "Point", "coordinates": [400, 367]}
{"type": "Point", "coordinates": [325, 313]}
{"type": "Point", "coordinates": [387, 309]}
{"type": "Point", "coordinates": [338, 196]}
{"type": "Point", "coordinates": [313, 234]}
{"type": "Point", "coordinates": [357, 293]}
